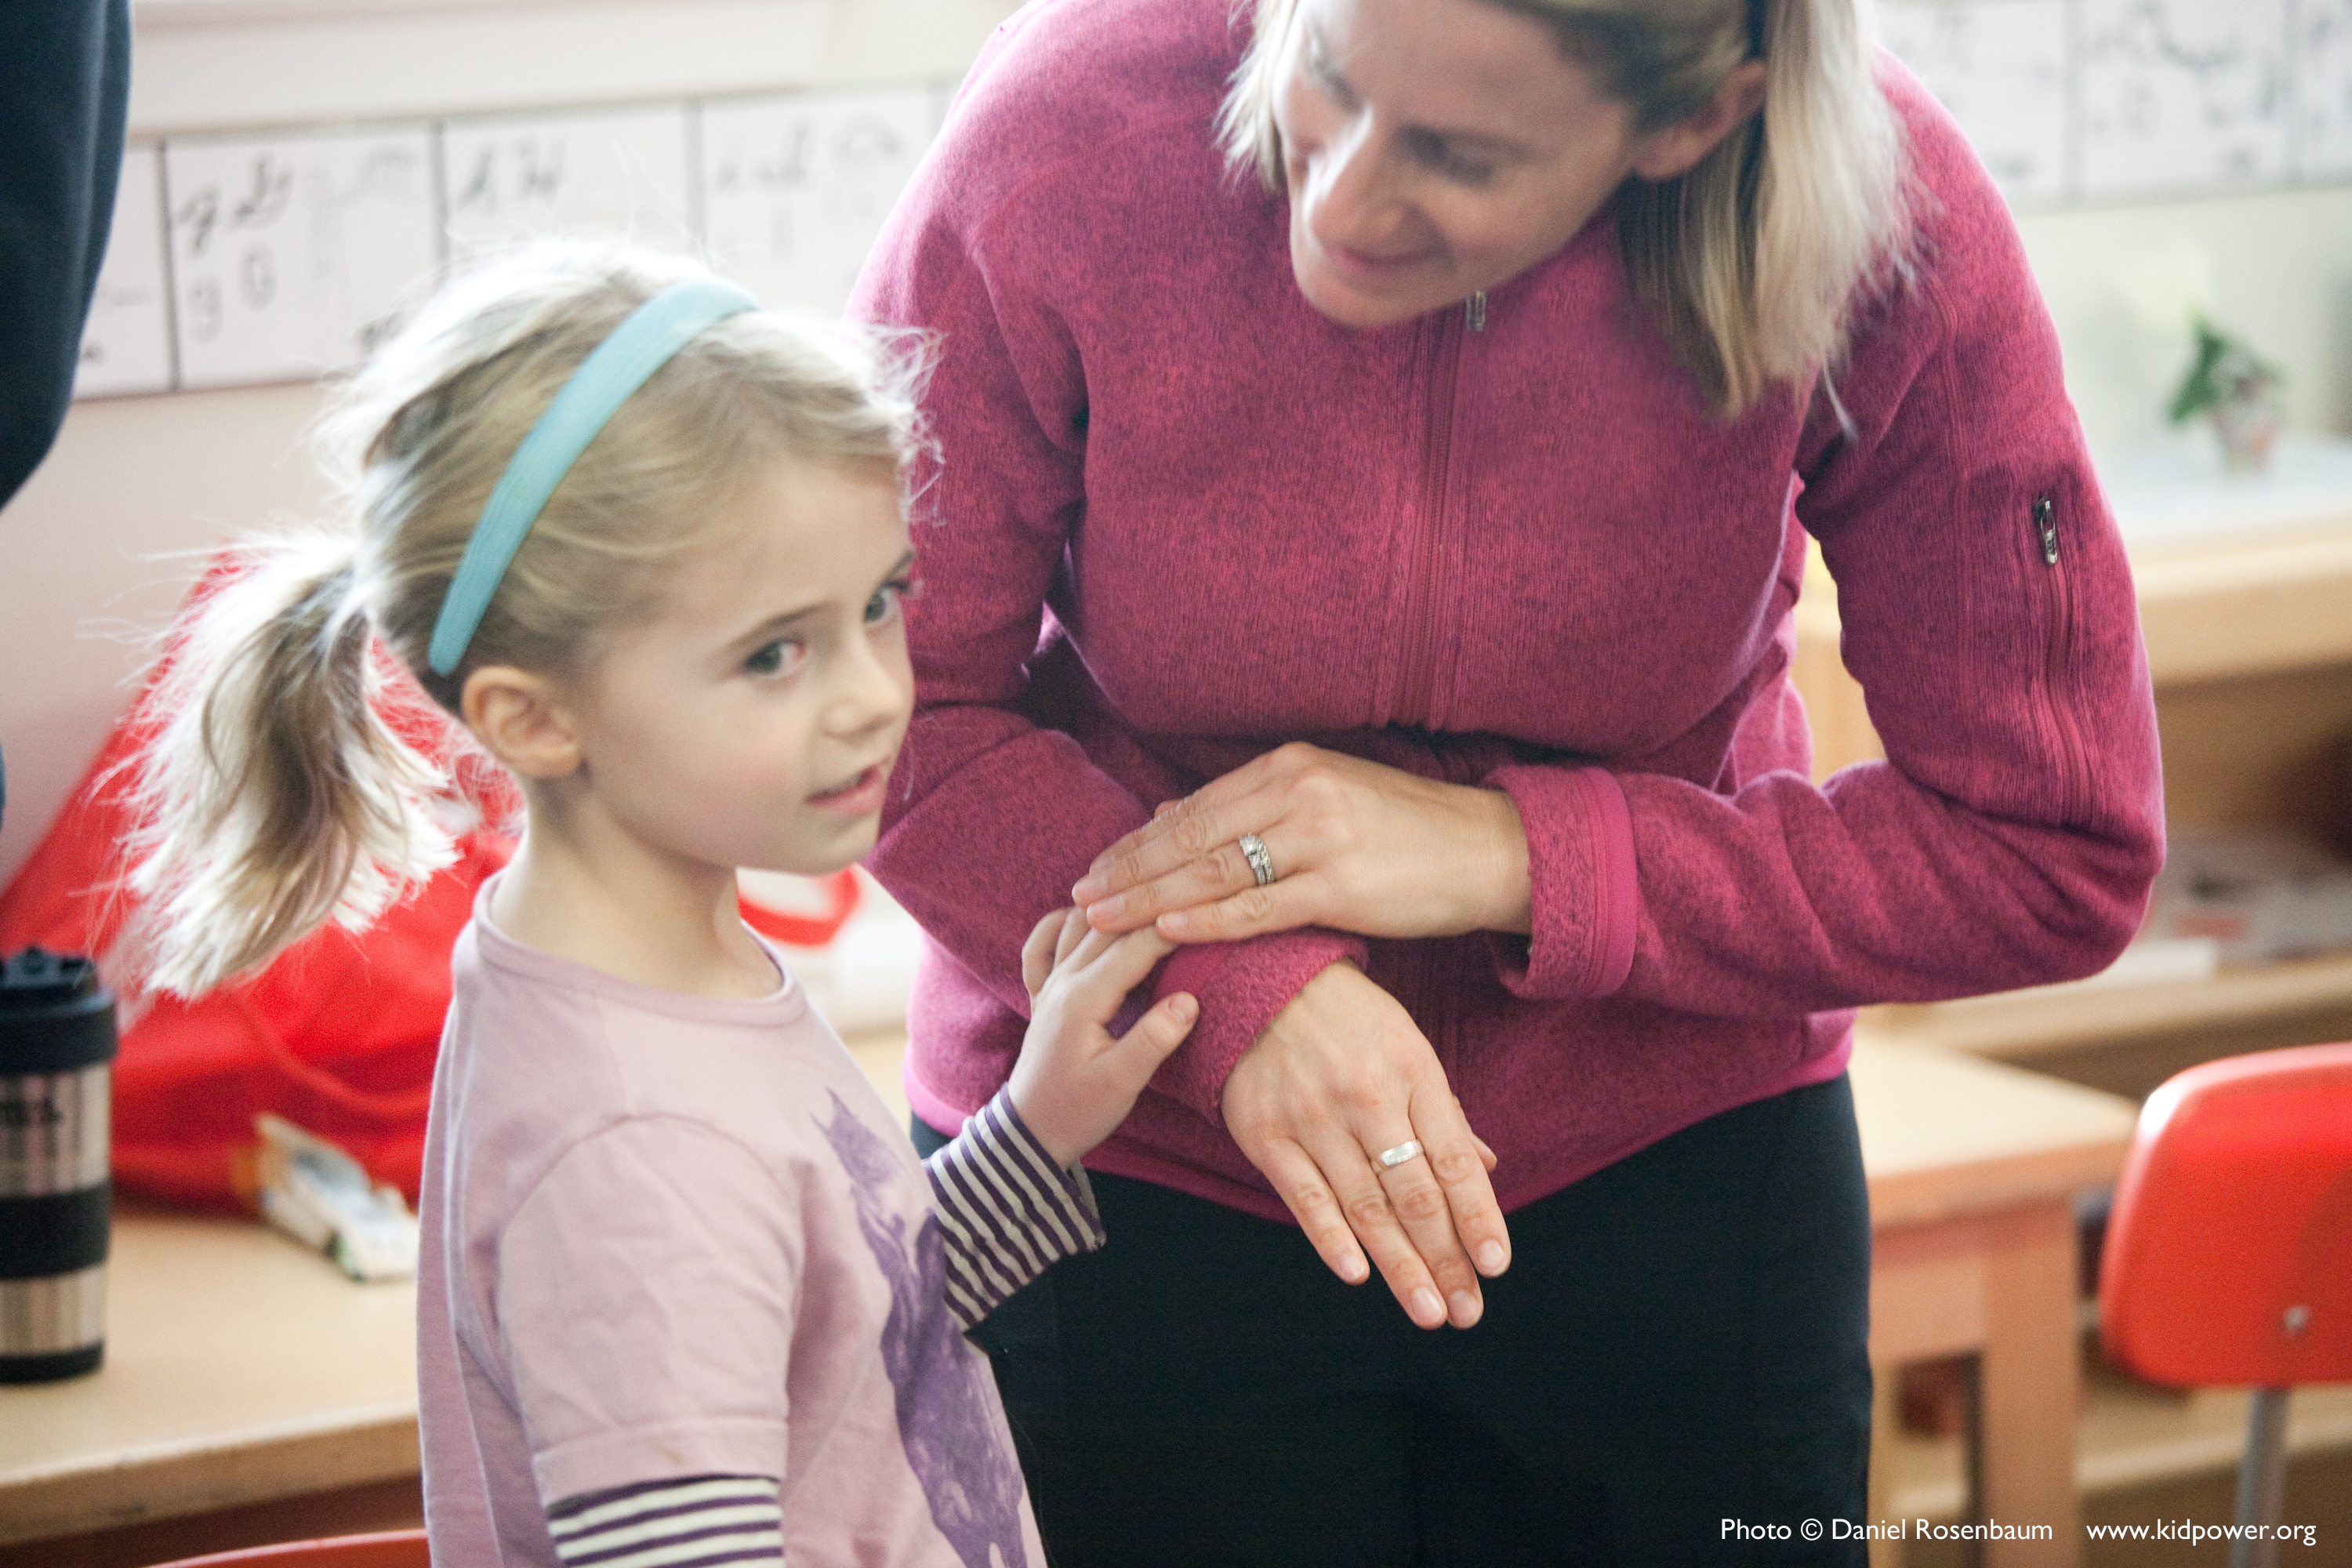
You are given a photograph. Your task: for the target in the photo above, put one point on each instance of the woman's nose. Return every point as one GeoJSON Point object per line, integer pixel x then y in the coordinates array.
{"type": "Point", "coordinates": [1352, 190]}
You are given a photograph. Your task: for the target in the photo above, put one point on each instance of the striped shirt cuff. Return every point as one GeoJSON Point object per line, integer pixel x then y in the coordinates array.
{"type": "Point", "coordinates": [1006, 1210]}
{"type": "Point", "coordinates": [694, 1522]}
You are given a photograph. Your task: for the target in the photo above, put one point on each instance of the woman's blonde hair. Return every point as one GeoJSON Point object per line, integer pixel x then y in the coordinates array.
{"type": "Point", "coordinates": [275, 793]}
{"type": "Point", "coordinates": [1753, 262]}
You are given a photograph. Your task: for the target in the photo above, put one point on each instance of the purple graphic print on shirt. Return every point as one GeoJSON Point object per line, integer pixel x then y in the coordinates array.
{"type": "Point", "coordinates": [970, 1481]}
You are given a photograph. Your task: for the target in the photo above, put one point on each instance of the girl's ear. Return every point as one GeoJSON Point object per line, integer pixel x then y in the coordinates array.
{"type": "Point", "coordinates": [522, 720]}
{"type": "Point", "coordinates": [1678, 149]}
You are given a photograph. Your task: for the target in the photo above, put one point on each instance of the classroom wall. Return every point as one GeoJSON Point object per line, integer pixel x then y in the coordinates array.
{"type": "Point", "coordinates": [96, 544]}
{"type": "Point", "coordinates": [90, 540]}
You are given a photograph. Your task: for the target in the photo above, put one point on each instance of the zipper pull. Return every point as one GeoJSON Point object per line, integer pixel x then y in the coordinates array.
{"type": "Point", "coordinates": [2046, 523]}
{"type": "Point", "coordinates": [1474, 311]}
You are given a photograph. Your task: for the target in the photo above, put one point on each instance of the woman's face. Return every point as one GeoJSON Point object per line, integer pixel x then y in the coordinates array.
{"type": "Point", "coordinates": [1432, 149]}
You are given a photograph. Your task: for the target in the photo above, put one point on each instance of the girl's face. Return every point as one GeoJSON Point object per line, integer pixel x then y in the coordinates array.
{"type": "Point", "coordinates": [1432, 149]}
{"type": "Point", "coordinates": [753, 720]}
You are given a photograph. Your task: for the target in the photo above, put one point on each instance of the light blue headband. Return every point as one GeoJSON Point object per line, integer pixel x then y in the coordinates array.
{"type": "Point", "coordinates": [620, 364]}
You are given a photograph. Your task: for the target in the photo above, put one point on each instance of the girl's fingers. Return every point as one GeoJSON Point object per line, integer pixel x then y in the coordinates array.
{"type": "Point", "coordinates": [1075, 930]}
{"type": "Point", "coordinates": [1156, 1036]}
{"type": "Point", "coordinates": [1123, 960]}
{"type": "Point", "coordinates": [1039, 952]}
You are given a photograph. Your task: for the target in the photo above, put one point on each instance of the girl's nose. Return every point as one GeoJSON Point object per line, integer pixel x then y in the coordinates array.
{"type": "Point", "coordinates": [876, 691]}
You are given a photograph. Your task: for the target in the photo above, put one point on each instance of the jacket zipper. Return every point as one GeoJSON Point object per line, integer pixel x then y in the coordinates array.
{"type": "Point", "coordinates": [2058, 659]}
{"type": "Point", "coordinates": [1417, 684]}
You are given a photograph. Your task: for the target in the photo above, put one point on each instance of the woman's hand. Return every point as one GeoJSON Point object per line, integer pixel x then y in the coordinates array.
{"type": "Point", "coordinates": [1342, 1075]}
{"type": "Point", "coordinates": [1075, 1084]}
{"type": "Point", "coordinates": [1352, 845]}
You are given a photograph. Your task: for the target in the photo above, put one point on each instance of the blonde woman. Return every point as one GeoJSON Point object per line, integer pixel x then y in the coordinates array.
{"type": "Point", "coordinates": [1381, 437]}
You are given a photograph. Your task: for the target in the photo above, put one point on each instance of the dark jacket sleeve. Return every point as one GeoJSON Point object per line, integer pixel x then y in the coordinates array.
{"type": "Point", "coordinates": [65, 77]}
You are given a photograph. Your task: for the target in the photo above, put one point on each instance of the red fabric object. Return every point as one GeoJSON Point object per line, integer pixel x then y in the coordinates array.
{"type": "Point", "coordinates": [394, 1549]}
{"type": "Point", "coordinates": [797, 929]}
{"type": "Point", "coordinates": [339, 1034]}
{"type": "Point", "coordinates": [2228, 1256]}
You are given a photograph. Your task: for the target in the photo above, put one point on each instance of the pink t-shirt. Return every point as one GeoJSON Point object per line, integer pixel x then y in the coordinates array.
{"type": "Point", "coordinates": [669, 1235]}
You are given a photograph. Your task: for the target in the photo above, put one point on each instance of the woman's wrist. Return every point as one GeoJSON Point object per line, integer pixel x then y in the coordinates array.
{"type": "Point", "coordinates": [1501, 881]}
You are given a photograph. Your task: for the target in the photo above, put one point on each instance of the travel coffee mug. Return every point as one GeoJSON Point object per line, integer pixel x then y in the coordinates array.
{"type": "Point", "coordinates": [57, 1047]}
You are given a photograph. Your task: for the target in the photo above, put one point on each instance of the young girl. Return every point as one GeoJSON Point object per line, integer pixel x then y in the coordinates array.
{"type": "Point", "coordinates": [687, 1295]}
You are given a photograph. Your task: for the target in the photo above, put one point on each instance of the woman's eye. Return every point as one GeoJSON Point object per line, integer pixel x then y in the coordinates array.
{"type": "Point", "coordinates": [778, 657]}
{"type": "Point", "coordinates": [1436, 152]}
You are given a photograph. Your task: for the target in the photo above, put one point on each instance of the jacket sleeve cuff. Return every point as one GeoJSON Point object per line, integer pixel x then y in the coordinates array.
{"type": "Point", "coordinates": [1240, 986]}
{"type": "Point", "coordinates": [1006, 1212]}
{"type": "Point", "coordinates": [1584, 899]}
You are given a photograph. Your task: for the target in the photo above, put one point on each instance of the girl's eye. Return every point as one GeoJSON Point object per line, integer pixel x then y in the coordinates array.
{"type": "Point", "coordinates": [778, 657]}
{"type": "Point", "coordinates": [888, 600]}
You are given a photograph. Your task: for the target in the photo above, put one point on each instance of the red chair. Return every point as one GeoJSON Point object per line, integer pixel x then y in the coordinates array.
{"type": "Point", "coordinates": [393, 1549]}
{"type": "Point", "coordinates": [2229, 1255]}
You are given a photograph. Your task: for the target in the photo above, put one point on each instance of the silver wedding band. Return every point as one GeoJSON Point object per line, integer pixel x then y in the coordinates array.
{"type": "Point", "coordinates": [1261, 864]}
{"type": "Point", "coordinates": [1391, 1158]}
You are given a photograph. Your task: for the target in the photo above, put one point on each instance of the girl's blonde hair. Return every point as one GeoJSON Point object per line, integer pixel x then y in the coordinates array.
{"type": "Point", "coordinates": [1754, 261]}
{"type": "Point", "coordinates": [276, 797]}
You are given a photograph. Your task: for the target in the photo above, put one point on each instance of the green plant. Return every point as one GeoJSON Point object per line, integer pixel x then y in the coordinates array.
{"type": "Point", "coordinates": [2226, 373]}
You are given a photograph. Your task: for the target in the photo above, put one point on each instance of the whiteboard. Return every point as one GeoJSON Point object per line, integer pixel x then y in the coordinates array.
{"type": "Point", "coordinates": [2181, 94]}
{"type": "Point", "coordinates": [126, 345]}
{"type": "Point", "coordinates": [795, 188]}
{"type": "Point", "coordinates": [2322, 56]}
{"type": "Point", "coordinates": [2001, 67]}
{"type": "Point", "coordinates": [290, 255]}
{"type": "Point", "coordinates": [616, 172]}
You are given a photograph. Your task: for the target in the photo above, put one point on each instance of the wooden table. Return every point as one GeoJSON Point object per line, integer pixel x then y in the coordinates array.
{"type": "Point", "coordinates": [240, 1370]}
{"type": "Point", "coordinates": [245, 1372]}
{"type": "Point", "coordinates": [1973, 1169]}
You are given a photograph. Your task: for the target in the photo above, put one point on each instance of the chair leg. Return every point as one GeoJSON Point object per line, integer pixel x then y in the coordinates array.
{"type": "Point", "coordinates": [2262, 1478]}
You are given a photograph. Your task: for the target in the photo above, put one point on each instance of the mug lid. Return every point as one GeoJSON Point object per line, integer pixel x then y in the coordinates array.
{"type": "Point", "coordinates": [56, 1016]}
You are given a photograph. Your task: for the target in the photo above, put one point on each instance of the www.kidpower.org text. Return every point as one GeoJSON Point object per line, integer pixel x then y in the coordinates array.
{"type": "Point", "coordinates": [2186, 1530]}
{"type": "Point", "coordinates": [2195, 1534]}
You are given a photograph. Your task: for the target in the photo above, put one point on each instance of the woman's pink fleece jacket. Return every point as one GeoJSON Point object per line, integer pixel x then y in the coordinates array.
{"type": "Point", "coordinates": [1181, 518]}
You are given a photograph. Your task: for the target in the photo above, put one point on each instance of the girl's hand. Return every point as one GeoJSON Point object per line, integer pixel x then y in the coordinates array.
{"type": "Point", "coordinates": [1354, 846]}
{"type": "Point", "coordinates": [1342, 1075]}
{"type": "Point", "coordinates": [1073, 1084]}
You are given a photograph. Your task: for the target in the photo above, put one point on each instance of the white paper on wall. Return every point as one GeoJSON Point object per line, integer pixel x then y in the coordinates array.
{"type": "Point", "coordinates": [2181, 95]}
{"type": "Point", "coordinates": [126, 345]}
{"type": "Point", "coordinates": [2321, 56]}
{"type": "Point", "coordinates": [291, 255]}
{"type": "Point", "coordinates": [795, 188]}
{"type": "Point", "coordinates": [2001, 67]}
{"type": "Point", "coordinates": [615, 172]}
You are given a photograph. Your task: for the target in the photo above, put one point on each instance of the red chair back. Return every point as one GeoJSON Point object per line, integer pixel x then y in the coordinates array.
{"type": "Point", "coordinates": [2229, 1255]}
{"type": "Point", "coordinates": [393, 1549]}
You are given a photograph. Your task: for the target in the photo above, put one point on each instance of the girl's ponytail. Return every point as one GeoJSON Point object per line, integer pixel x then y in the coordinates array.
{"type": "Point", "coordinates": [274, 796]}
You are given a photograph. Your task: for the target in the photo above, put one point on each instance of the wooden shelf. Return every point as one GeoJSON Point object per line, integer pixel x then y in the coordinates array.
{"type": "Point", "coordinates": [2252, 607]}
{"type": "Point", "coordinates": [2018, 1026]}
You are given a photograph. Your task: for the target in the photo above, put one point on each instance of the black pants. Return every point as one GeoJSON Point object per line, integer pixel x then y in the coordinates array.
{"type": "Point", "coordinates": [1673, 1371]}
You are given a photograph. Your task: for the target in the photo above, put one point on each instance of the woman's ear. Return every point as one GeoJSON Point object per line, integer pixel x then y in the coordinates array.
{"type": "Point", "coordinates": [1676, 150]}
{"type": "Point", "coordinates": [522, 720]}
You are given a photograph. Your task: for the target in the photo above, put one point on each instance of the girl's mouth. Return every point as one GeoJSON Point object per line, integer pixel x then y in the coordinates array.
{"type": "Point", "coordinates": [858, 797]}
